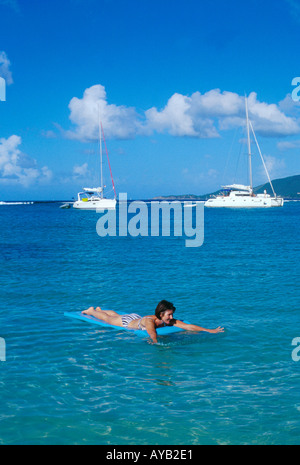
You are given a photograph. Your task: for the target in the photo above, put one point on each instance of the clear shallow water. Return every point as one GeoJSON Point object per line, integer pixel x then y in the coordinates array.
{"type": "Point", "coordinates": [66, 382]}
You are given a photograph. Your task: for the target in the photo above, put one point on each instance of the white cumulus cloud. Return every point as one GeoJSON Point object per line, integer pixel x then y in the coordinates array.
{"type": "Point", "coordinates": [17, 167]}
{"type": "Point", "coordinates": [180, 117]}
{"type": "Point", "coordinates": [269, 120]}
{"type": "Point", "coordinates": [198, 115]}
{"type": "Point", "coordinates": [201, 114]}
{"type": "Point", "coordinates": [120, 122]}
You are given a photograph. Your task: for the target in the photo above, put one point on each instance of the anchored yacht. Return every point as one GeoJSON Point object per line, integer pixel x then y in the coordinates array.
{"type": "Point", "coordinates": [241, 196]}
{"type": "Point", "coordinates": [93, 198]}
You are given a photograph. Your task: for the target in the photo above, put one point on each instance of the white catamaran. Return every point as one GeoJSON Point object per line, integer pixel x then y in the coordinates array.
{"type": "Point", "coordinates": [93, 198]}
{"type": "Point", "coordinates": [241, 196]}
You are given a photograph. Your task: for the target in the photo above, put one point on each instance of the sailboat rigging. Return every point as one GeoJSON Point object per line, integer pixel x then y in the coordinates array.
{"type": "Point", "coordinates": [241, 196]}
{"type": "Point", "coordinates": [93, 198]}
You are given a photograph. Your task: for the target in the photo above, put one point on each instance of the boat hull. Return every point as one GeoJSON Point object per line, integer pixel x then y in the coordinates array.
{"type": "Point", "coordinates": [249, 202]}
{"type": "Point", "coordinates": [101, 204]}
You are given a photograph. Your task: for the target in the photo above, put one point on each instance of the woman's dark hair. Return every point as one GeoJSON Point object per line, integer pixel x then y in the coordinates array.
{"type": "Point", "coordinates": [162, 307]}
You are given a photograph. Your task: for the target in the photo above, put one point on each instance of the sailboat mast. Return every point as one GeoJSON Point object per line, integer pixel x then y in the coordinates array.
{"type": "Point", "coordinates": [112, 179]}
{"type": "Point", "coordinates": [249, 145]}
{"type": "Point", "coordinates": [101, 165]}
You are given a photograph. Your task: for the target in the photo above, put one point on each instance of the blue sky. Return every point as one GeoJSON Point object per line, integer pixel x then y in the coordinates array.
{"type": "Point", "coordinates": [169, 80]}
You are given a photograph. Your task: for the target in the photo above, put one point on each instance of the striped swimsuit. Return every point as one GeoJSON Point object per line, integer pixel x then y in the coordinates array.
{"type": "Point", "coordinates": [126, 319]}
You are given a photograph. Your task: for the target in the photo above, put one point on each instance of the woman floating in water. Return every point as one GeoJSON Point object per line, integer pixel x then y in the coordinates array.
{"type": "Point", "coordinates": [163, 317]}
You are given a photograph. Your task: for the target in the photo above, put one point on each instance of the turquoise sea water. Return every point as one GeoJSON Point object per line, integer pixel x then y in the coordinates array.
{"type": "Point", "coordinates": [67, 382]}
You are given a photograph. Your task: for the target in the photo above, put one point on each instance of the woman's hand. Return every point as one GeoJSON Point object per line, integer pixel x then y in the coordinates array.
{"type": "Point", "coordinates": [217, 330]}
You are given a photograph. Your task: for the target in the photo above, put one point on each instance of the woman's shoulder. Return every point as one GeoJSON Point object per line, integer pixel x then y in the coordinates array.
{"type": "Point", "coordinates": [153, 318]}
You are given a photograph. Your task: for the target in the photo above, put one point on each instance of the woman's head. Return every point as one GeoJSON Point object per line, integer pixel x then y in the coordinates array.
{"type": "Point", "coordinates": [163, 307]}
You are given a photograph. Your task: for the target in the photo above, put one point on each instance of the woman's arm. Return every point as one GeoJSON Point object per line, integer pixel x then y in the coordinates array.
{"type": "Point", "coordinates": [189, 327]}
{"type": "Point", "coordinates": [150, 328]}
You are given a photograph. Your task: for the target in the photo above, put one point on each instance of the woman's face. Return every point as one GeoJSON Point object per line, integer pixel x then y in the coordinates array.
{"type": "Point", "coordinates": [167, 316]}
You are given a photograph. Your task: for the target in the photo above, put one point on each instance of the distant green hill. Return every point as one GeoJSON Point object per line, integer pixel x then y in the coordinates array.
{"type": "Point", "coordinates": [289, 188]}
